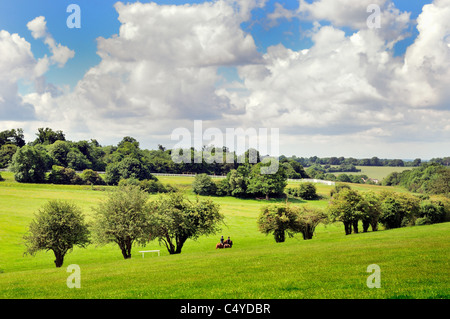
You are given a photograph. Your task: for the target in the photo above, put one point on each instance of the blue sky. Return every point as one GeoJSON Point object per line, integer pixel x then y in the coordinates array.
{"type": "Point", "coordinates": [99, 18]}
{"type": "Point", "coordinates": [247, 74]}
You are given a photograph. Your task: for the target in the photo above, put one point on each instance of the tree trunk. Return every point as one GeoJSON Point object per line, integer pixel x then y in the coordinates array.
{"type": "Point", "coordinates": [280, 236]}
{"type": "Point", "coordinates": [366, 225]}
{"type": "Point", "coordinates": [348, 228]}
{"type": "Point", "coordinates": [355, 227]}
{"type": "Point", "coordinates": [267, 196]}
{"type": "Point", "coordinates": [59, 258]}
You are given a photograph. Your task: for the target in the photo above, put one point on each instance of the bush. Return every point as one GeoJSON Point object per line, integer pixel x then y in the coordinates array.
{"type": "Point", "coordinates": [339, 187]}
{"type": "Point", "coordinates": [204, 185]}
{"type": "Point", "coordinates": [422, 221]}
{"type": "Point", "coordinates": [433, 212]}
{"type": "Point", "coordinates": [91, 177]}
{"type": "Point", "coordinates": [62, 175]}
{"type": "Point", "coordinates": [152, 186]}
{"type": "Point", "coordinates": [30, 164]}
{"type": "Point", "coordinates": [127, 168]}
{"type": "Point", "coordinates": [222, 187]}
{"type": "Point", "coordinates": [399, 210]}
{"type": "Point", "coordinates": [307, 191]}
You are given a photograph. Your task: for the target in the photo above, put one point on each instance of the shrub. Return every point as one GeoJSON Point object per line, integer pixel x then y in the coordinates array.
{"type": "Point", "coordinates": [399, 210]}
{"type": "Point", "coordinates": [152, 186]}
{"type": "Point", "coordinates": [91, 177]}
{"type": "Point", "coordinates": [222, 187]}
{"type": "Point", "coordinates": [433, 212]}
{"type": "Point", "coordinates": [204, 185]}
{"type": "Point", "coordinates": [62, 175]}
{"type": "Point", "coordinates": [339, 187]}
{"type": "Point", "coordinates": [307, 191]}
{"type": "Point", "coordinates": [127, 168]}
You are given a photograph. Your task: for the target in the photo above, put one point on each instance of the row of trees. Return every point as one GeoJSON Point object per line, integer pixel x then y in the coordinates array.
{"type": "Point", "coordinates": [429, 179]}
{"type": "Point", "coordinates": [349, 161]}
{"type": "Point", "coordinates": [390, 209]}
{"type": "Point", "coordinates": [243, 182]}
{"type": "Point", "coordinates": [125, 218]}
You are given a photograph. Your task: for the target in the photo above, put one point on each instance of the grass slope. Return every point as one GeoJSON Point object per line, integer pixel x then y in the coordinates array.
{"type": "Point", "coordinates": [414, 261]}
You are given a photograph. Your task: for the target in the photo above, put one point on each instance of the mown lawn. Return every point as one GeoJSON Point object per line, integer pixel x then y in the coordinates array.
{"type": "Point", "coordinates": [414, 261]}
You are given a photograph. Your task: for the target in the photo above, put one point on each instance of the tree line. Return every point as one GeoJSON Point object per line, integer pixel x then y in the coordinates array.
{"type": "Point", "coordinates": [430, 178]}
{"type": "Point", "coordinates": [125, 218]}
{"type": "Point", "coordinates": [352, 208]}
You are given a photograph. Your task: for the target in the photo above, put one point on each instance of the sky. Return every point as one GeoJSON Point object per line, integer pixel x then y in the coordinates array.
{"type": "Point", "coordinates": [335, 78]}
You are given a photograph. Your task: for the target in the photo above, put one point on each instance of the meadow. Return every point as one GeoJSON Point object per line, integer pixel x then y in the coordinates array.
{"type": "Point", "coordinates": [414, 261]}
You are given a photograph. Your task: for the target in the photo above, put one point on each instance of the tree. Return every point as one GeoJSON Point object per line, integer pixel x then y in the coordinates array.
{"type": "Point", "coordinates": [127, 168]}
{"type": "Point", "coordinates": [62, 175]}
{"type": "Point", "coordinates": [238, 181]}
{"type": "Point", "coordinates": [279, 219]}
{"type": "Point", "coordinates": [123, 218]}
{"type": "Point", "coordinates": [373, 211]}
{"type": "Point", "coordinates": [91, 177]}
{"type": "Point", "coordinates": [398, 210]}
{"type": "Point", "coordinates": [12, 137]}
{"type": "Point", "coordinates": [432, 212]}
{"type": "Point", "coordinates": [58, 226]}
{"type": "Point", "coordinates": [347, 206]}
{"type": "Point", "coordinates": [266, 184]}
{"type": "Point", "coordinates": [308, 219]}
{"type": "Point", "coordinates": [307, 191]}
{"type": "Point", "coordinates": [47, 136]}
{"type": "Point", "coordinates": [204, 185]}
{"type": "Point", "coordinates": [175, 219]}
{"type": "Point", "coordinates": [29, 164]}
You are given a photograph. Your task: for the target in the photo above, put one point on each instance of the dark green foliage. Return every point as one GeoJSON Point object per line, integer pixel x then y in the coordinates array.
{"type": "Point", "coordinates": [271, 184]}
{"type": "Point", "coordinates": [30, 164]}
{"type": "Point", "coordinates": [431, 212]}
{"type": "Point", "coordinates": [91, 177]}
{"type": "Point", "coordinates": [127, 168]}
{"type": "Point", "coordinates": [222, 187]}
{"type": "Point", "coordinates": [347, 206]}
{"type": "Point", "coordinates": [12, 137]}
{"type": "Point", "coordinates": [306, 191]}
{"type": "Point", "coordinates": [204, 185]}
{"type": "Point", "coordinates": [58, 226]}
{"type": "Point", "coordinates": [47, 136]}
{"type": "Point", "coordinates": [282, 219]}
{"type": "Point", "coordinates": [429, 178]}
{"type": "Point", "coordinates": [399, 210]}
{"type": "Point", "coordinates": [7, 152]}
{"type": "Point", "coordinates": [62, 175]}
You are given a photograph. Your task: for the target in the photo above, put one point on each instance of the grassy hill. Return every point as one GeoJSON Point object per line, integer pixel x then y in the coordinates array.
{"type": "Point", "coordinates": [414, 261]}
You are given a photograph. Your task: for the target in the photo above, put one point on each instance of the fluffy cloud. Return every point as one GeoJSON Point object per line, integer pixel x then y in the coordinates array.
{"type": "Point", "coordinates": [160, 70]}
{"type": "Point", "coordinates": [60, 54]}
{"type": "Point", "coordinates": [16, 63]}
{"type": "Point", "coordinates": [351, 86]}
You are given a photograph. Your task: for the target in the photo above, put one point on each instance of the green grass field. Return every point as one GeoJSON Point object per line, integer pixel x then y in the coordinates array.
{"type": "Point", "coordinates": [376, 172]}
{"type": "Point", "coordinates": [414, 261]}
